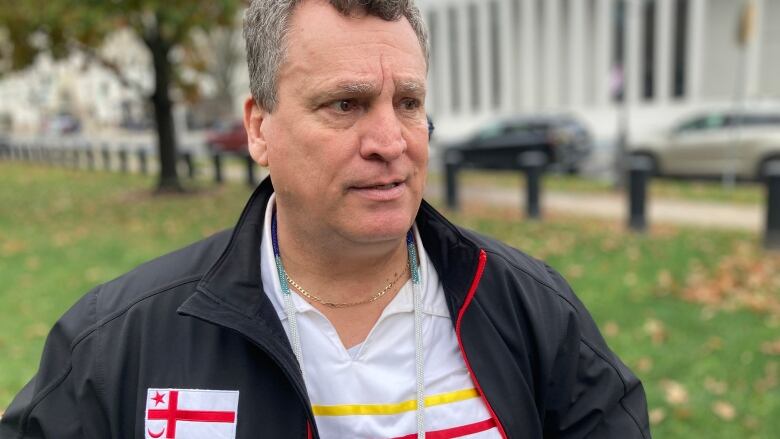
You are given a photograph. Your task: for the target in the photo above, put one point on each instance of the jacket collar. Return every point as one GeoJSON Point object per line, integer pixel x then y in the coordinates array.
{"type": "Point", "coordinates": [234, 281]}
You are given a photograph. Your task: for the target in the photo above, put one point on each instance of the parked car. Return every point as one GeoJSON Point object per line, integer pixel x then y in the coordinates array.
{"type": "Point", "coordinates": [228, 137]}
{"type": "Point", "coordinates": [564, 140]}
{"type": "Point", "coordinates": [63, 123]}
{"type": "Point", "coordinates": [714, 143]}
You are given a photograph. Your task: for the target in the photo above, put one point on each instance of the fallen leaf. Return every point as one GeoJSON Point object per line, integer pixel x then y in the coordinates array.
{"type": "Point", "coordinates": [771, 347]}
{"type": "Point", "coordinates": [724, 410]}
{"type": "Point", "coordinates": [644, 364]}
{"type": "Point", "coordinates": [657, 416]}
{"type": "Point", "coordinates": [674, 392]}
{"type": "Point", "coordinates": [611, 329]}
{"type": "Point", "coordinates": [714, 386]}
{"type": "Point", "coordinates": [656, 330]}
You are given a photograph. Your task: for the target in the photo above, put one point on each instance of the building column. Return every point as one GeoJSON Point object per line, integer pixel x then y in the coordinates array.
{"type": "Point", "coordinates": [632, 55]}
{"type": "Point", "coordinates": [602, 75]}
{"type": "Point", "coordinates": [695, 38]}
{"type": "Point", "coordinates": [431, 92]}
{"type": "Point", "coordinates": [663, 51]}
{"type": "Point", "coordinates": [485, 57]}
{"type": "Point", "coordinates": [529, 57]}
{"type": "Point", "coordinates": [444, 74]}
{"type": "Point", "coordinates": [465, 58]}
{"type": "Point", "coordinates": [508, 80]}
{"type": "Point", "coordinates": [576, 53]}
{"type": "Point", "coordinates": [552, 49]}
{"type": "Point", "coordinates": [753, 58]}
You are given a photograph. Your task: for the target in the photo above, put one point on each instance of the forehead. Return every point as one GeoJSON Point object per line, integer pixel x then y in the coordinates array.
{"type": "Point", "coordinates": [323, 43]}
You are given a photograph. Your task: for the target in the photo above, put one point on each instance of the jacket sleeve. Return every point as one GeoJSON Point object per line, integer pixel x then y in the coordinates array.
{"type": "Point", "coordinates": [592, 394]}
{"type": "Point", "coordinates": [60, 395]}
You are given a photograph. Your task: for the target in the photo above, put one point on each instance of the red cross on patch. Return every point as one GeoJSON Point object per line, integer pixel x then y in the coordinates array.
{"type": "Point", "coordinates": [191, 414]}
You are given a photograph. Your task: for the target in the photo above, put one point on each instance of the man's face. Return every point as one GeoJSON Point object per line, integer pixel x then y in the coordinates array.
{"type": "Point", "coordinates": [347, 145]}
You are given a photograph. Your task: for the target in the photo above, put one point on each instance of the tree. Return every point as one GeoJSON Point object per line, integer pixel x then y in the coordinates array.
{"type": "Point", "coordinates": [63, 27]}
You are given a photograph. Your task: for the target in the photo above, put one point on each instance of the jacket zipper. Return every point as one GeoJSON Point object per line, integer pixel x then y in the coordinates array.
{"type": "Point", "coordinates": [461, 312]}
{"type": "Point", "coordinates": [301, 393]}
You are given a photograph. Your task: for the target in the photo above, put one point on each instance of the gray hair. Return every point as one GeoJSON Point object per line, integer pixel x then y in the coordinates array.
{"type": "Point", "coordinates": [266, 25]}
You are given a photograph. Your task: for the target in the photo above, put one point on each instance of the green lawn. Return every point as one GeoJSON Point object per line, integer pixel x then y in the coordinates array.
{"type": "Point", "coordinates": [695, 313]}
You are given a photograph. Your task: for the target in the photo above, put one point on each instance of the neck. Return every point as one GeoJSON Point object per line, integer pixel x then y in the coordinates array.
{"type": "Point", "coordinates": [338, 268]}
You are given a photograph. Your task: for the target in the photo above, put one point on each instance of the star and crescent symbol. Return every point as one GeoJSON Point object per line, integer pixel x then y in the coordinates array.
{"type": "Point", "coordinates": [159, 398]}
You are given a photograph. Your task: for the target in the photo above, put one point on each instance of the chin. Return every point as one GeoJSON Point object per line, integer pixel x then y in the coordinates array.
{"type": "Point", "coordinates": [382, 229]}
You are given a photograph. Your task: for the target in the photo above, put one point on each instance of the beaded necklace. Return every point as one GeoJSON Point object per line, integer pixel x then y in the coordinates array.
{"type": "Point", "coordinates": [419, 361]}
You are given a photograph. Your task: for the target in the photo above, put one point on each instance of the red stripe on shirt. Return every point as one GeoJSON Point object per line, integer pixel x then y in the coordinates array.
{"type": "Point", "coordinates": [454, 432]}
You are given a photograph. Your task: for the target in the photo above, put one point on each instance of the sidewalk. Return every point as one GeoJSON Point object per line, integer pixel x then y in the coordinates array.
{"type": "Point", "coordinates": [615, 207]}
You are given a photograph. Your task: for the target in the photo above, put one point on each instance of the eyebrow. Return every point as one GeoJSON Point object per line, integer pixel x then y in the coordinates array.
{"type": "Point", "coordinates": [368, 88]}
{"type": "Point", "coordinates": [411, 86]}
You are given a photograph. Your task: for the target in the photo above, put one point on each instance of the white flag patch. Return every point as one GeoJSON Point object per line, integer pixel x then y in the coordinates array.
{"type": "Point", "coordinates": [191, 414]}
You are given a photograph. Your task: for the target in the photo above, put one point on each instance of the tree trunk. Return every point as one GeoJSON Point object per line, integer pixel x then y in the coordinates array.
{"type": "Point", "coordinates": [163, 115]}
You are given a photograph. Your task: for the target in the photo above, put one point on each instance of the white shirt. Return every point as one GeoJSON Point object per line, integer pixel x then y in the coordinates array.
{"type": "Point", "coordinates": [368, 391]}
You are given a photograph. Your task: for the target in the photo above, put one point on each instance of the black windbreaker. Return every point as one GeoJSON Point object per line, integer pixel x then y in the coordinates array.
{"type": "Point", "coordinates": [198, 319]}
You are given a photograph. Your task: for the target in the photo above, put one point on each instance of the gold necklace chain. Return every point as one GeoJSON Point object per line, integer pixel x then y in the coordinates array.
{"type": "Point", "coordinates": [322, 301]}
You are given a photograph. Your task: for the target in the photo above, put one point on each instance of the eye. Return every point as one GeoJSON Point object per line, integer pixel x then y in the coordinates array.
{"type": "Point", "coordinates": [410, 104]}
{"type": "Point", "coordinates": [344, 105]}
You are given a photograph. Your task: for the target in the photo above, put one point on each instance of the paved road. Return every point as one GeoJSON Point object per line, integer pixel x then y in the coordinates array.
{"type": "Point", "coordinates": [615, 206]}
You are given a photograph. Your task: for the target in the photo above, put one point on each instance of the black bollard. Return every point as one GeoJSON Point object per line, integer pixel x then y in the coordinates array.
{"type": "Point", "coordinates": [532, 164]}
{"type": "Point", "coordinates": [186, 157]}
{"type": "Point", "coordinates": [75, 157]}
{"type": "Point", "coordinates": [217, 157]}
{"type": "Point", "coordinates": [452, 163]}
{"type": "Point", "coordinates": [106, 158]}
{"type": "Point", "coordinates": [90, 158]}
{"type": "Point", "coordinates": [123, 160]}
{"type": "Point", "coordinates": [772, 178]}
{"type": "Point", "coordinates": [142, 161]}
{"type": "Point", "coordinates": [639, 171]}
{"type": "Point", "coordinates": [250, 171]}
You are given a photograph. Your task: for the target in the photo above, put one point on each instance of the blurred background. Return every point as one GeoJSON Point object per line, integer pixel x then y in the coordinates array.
{"type": "Point", "coordinates": [633, 144]}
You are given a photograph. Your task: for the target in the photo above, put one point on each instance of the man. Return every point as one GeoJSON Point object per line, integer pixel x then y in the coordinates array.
{"type": "Point", "coordinates": [340, 305]}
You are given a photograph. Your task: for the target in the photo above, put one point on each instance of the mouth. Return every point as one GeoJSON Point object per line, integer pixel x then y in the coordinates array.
{"type": "Point", "coordinates": [382, 187]}
{"type": "Point", "coordinates": [380, 190]}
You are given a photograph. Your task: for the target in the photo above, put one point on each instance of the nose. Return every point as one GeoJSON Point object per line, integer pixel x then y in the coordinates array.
{"type": "Point", "coordinates": [382, 137]}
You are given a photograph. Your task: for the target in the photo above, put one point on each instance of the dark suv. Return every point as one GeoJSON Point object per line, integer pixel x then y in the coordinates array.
{"type": "Point", "coordinates": [563, 140]}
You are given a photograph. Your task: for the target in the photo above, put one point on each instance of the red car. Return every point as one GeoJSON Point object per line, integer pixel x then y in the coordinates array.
{"type": "Point", "coordinates": [229, 137]}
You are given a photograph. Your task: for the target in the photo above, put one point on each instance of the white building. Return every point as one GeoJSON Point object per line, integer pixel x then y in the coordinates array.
{"type": "Point", "coordinates": [499, 57]}
{"type": "Point", "coordinates": [493, 58]}
{"type": "Point", "coordinates": [77, 87]}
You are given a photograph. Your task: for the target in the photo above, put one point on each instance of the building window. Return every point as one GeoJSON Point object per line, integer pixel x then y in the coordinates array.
{"type": "Point", "coordinates": [565, 52]}
{"type": "Point", "coordinates": [680, 47]}
{"type": "Point", "coordinates": [474, 51]}
{"type": "Point", "coordinates": [433, 29]}
{"type": "Point", "coordinates": [455, 87]}
{"type": "Point", "coordinates": [495, 46]}
{"type": "Point", "coordinates": [618, 80]}
{"type": "Point", "coordinates": [648, 70]}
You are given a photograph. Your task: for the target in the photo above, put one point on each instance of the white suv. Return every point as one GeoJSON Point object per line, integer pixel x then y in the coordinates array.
{"type": "Point", "coordinates": [716, 143]}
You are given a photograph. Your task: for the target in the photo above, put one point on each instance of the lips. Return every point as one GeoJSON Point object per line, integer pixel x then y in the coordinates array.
{"type": "Point", "coordinates": [382, 186]}
{"type": "Point", "coordinates": [380, 190]}
{"type": "Point", "coordinates": [379, 184]}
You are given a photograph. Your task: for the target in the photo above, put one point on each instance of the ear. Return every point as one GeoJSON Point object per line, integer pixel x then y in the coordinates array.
{"type": "Point", "coordinates": [254, 118]}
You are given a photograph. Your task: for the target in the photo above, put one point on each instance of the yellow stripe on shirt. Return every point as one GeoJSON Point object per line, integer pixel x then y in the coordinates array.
{"type": "Point", "coordinates": [392, 409]}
